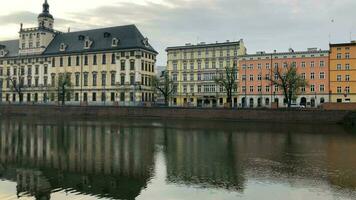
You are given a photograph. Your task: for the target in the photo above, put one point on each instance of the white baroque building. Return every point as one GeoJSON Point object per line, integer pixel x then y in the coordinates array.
{"type": "Point", "coordinates": [112, 66]}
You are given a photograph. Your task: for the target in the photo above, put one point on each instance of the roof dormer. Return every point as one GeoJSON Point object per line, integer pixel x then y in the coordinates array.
{"type": "Point", "coordinates": [115, 42]}
{"type": "Point", "coordinates": [145, 42]}
{"type": "Point", "coordinates": [87, 43]}
{"type": "Point", "coordinates": [63, 47]}
{"type": "Point", "coordinates": [107, 35]}
{"type": "Point", "coordinates": [3, 52]}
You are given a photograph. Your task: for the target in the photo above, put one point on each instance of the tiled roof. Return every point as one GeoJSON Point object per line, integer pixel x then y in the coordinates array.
{"type": "Point", "coordinates": [129, 38]}
{"type": "Point", "coordinates": [12, 46]}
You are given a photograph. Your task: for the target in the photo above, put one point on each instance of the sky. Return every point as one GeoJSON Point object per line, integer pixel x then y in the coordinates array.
{"type": "Point", "coordinates": [264, 25]}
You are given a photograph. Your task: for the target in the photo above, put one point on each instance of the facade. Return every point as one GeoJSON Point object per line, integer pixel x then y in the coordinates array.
{"type": "Point", "coordinates": [343, 72]}
{"type": "Point", "coordinates": [256, 70]}
{"type": "Point", "coordinates": [194, 68]}
{"type": "Point", "coordinates": [105, 66]}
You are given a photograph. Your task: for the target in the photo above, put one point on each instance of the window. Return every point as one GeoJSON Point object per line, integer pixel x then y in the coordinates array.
{"type": "Point", "coordinates": [259, 88]}
{"type": "Point", "coordinates": [61, 61]}
{"type": "Point", "coordinates": [94, 60]}
{"type": "Point", "coordinates": [77, 60]}
{"type": "Point", "coordinates": [338, 78]}
{"type": "Point", "coordinates": [191, 77]}
{"type": "Point", "coordinates": [347, 77]}
{"type": "Point", "coordinates": [103, 79]}
{"type": "Point", "coordinates": [132, 65]}
{"type": "Point", "coordinates": [85, 79]}
{"type": "Point", "coordinates": [322, 75]}
{"type": "Point", "coordinates": [243, 77]}
{"type": "Point", "coordinates": [77, 79]}
{"type": "Point", "coordinates": [251, 88]}
{"type": "Point", "coordinates": [339, 90]}
{"type": "Point", "coordinates": [347, 67]}
{"type": "Point", "coordinates": [312, 88]}
{"type": "Point", "coordinates": [53, 62]}
{"type": "Point", "coordinates": [267, 88]}
{"type": "Point", "coordinates": [338, 56]}
{"type": "Point", "coordinates": [103, 59]}
{"type": "Point", "coordinates": [69, 61]}
{"type": "Point", "coordinates": [267, 66]}
{"type": "Point", "coordinates": [113, 79]}
{"type": "Point", "coordinates": [122, 79]}
{"type": "Point", "coordinates": [347, 89]}
{"type": "Point", "coordinates": [85, 60]}
{"type": "Point", "coordinates": [347, 55]}
{"type": "Point", "coordinates": [302, 89]}
{"type": "Point", "coordinates": [312, 64]}
{"type": "Point", "coordinates": [251, 77]}
{"type": "Point", "coordinates": [122, 65]}
{"type": "Point", "coordinates": [94, 96]}
{"type": "Point", "coordinates": [312, 76]}
{"type": "Point", "coordinates": [113, 59]}
{"type": "Point", "coordinates": [260, 77]}
{"type": "Point", "coordinates": [36, 70]}
{"type": "Point", "coordinates": [322, 63]}
{"type": "Point", "coordinates": [338, 67]}
{"type": "Point", "coordinates": [243, 88]}
{"type": "Point", "coordinates": [321, 88]}
{"type": "Point", "coordinates": [94, 79]}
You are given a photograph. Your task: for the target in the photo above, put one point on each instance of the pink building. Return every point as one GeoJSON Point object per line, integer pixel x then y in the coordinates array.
{"type": "Point", "coordinates": [255, 70]}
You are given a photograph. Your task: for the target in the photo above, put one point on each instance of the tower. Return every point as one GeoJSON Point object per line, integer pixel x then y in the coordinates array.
{"type": "Point", "coordinates": [45, 19]}
{"type": "Point", "coordinates": [35, 40]}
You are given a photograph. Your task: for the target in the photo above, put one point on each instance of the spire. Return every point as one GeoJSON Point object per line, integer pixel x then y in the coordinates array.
{"type": "Point", "coordinates": [45, 10]}
{"type": "Point", "coordinates": [45, 7]}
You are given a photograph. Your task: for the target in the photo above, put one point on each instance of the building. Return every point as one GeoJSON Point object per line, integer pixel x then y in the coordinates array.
{"type": "Point", "coordinates": [110, 65]}
{"type": "Point", "coordinates": [194, 68]}
{"type": "Point", "coordinates": [256, 70]}
{"type": "Point", "coordinates": [343, 72]}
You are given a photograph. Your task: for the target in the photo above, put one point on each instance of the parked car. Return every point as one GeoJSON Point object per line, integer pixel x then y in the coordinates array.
{"type": "Point", "coordinates": [297, 106]}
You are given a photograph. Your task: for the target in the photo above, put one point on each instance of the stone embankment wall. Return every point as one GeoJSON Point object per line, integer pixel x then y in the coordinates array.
{"type": "Point", "coordinates": [283, 116]}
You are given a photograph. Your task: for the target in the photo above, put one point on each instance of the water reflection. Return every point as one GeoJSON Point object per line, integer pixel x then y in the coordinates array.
{"type": "Point", "coordinates": [96, 159]}
{"type": "Point", "coordinates": [117, 159]}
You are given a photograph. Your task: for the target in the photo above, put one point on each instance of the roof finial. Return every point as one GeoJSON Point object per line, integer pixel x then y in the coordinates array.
{"type": "Point", "coordinates": [45, 7]}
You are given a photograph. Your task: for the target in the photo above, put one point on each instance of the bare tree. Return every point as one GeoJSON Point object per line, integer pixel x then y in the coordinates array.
{"type": "Point", "coordinates": [17, 86]}
{"type": "Point", "coordinates": [63, 87]}
{"type": "Point", "coordinates": [228, 82]}
{"type": "Point", "coordinates": [289, 81]}
{"type": "Point", "coordinates": [165, 86]}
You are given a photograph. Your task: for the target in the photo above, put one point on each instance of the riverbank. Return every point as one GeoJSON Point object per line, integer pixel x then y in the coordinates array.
{"type": "Point", "coordinates": [265, 115]}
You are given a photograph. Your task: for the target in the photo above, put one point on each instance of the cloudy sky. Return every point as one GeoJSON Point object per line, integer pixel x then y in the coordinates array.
{"type": "Point", "coordinates": [263, 24]}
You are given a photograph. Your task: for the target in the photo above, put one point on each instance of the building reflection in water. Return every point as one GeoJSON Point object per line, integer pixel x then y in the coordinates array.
{"type": "Point", "coordinates": [103, 160]}
{"type": "Point", "coordinates": [116, 159]}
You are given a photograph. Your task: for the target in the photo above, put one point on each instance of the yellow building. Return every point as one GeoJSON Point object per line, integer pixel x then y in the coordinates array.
{"type": "Point", "coordinates": [193, 68]}
{"type": "Point", "coordinates": [343, 72]}
{"type": "Point", "coordinates": [105, 66]}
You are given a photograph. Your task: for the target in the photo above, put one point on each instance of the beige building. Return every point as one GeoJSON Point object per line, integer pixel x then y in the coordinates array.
{"type": "Point", "coordinates": [111, 66]}
{"type": "Point", "coordinates": [193, 68]}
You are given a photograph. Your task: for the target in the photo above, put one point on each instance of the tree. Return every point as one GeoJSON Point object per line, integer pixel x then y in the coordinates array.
{"type": "Point", "coordinates": [289, 81]}
{"type": "Point", "coordinates": [63, 87]}
{"type": "Point", "coordinates": [228, 82]}
{"type": "Point", "coordinates": [165, 86]}
{"type": "Point", "coordinates": [17, 86]}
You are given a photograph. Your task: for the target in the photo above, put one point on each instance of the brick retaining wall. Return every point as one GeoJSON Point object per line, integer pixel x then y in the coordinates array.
{"type": "Point", "coordinates": [294, 116]}
{"type": "Point", "coordinates": [339, 106]}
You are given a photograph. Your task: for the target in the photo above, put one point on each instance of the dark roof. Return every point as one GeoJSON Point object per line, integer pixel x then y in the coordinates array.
{"type": "Point", "coordinates": [12, 46]}
{"type": "Point", "coordinates": [203, 45]}
{"type": "Point", "coordinates": [353, 43]}
{"type": "Point", "coordinates": [129, 38]}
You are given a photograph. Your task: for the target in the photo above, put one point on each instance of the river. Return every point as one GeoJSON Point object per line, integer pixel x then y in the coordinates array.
{"type": "Point", "coordinates": [174, 159]}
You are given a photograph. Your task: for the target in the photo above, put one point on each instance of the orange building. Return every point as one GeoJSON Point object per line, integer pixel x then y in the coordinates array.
{"type": "Point", "coordinates": [343, 72]}
{"type": "Point", "coordinates": [255, 71]}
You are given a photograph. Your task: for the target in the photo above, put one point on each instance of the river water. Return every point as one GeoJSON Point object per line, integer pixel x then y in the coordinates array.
{"type": "Point", "coordinates": [174, 159]}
